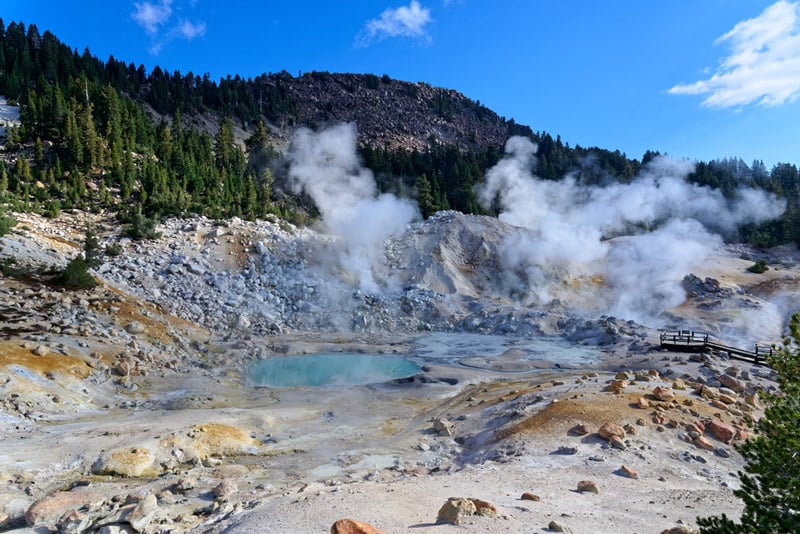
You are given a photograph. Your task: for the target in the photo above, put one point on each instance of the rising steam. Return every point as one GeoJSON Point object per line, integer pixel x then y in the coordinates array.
{"type": "Point", "coordinates": [663, 227]}
{"type": "Point", "coordinates": [326, 166]}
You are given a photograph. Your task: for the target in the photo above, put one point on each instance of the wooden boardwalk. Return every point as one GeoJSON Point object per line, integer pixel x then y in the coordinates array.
{"type": "Point", "coordinates": [690, 341]}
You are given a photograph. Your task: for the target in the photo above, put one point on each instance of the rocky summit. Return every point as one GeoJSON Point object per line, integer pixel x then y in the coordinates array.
{"type": "Point", "coordinates": [130, 407]}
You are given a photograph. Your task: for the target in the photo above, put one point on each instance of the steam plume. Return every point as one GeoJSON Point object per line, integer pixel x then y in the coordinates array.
{"type": "Point", "coordinates": [326, 166]}
{"type": "Point", "coordinates": [664, 227]}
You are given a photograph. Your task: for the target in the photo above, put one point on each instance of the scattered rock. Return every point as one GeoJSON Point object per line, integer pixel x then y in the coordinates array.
{"type": "Point", "coordinates": [587, 486]}
{"type": "Point", "coordinates": [617, 442]}
{"type": "Point", "coordinates": [454, 511]}
{"type": "Point", "coordinates": [443, 427]}
{"type": "Point", "coordinates": [611, 429]}
{"type": "Point", "coordinates": [567, 450]}
{"type": "Point", "coordinates": [351, 526]}
{"type": "Point", "coordinates": [41, 350]}
{"type": "Point", "coordinates": [733, 383]}
{"type": "Point", "coordinates": [73, 522]}
{"type": "Point", "coordinates": [552, 526]}
{"type": "Point", "coordinates": [135, 327]}
{"type": "Point", "coordinates": [721, 431]}
{"type": "Point", "coordinates": [528, 496]}
{"type": "Point", "coordinates": [484, 508]}
{"type": "Point", "coordinates": [48, 510]}
{"type": "Point", "coordinates": [579, 430]}
{"type": "Point", "coordinates": [703, 443]}
{"type": "Point", "coordinates": [628, 472]}
{"type": "Point", "coordinates": [225, 489]}
{"type": "Point", "coordinates": [128, 462]}
{"type": "Point", "coordinates": [663, 393]}
{"type": "Point", "coordinates": [142, 513]}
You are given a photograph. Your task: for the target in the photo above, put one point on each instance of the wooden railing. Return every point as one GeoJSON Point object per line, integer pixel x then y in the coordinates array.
{"type": "Point", "coordinates": [690, 341]}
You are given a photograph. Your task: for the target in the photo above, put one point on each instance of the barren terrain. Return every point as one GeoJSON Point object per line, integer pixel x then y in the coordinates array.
{"type": "Point", "coordinates": [128, 407]}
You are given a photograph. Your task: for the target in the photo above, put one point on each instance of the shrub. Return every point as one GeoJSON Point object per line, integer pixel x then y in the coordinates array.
{"type": "Point", "coordinates": [76, 275]}
{"type": "Point", "coordinates": [758, 267]}
{"type": "Point", "coordinates": [6, 223]}
{"type": "Point", "coordinates": [113, 249]}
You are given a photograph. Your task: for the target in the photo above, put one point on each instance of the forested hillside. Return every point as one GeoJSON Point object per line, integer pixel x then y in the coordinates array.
{"type": "Point", "coordinates": [109, 135]}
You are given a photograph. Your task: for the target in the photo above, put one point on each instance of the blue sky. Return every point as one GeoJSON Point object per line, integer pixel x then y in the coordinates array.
{"type": "Point", "coordinates": [700, 79]}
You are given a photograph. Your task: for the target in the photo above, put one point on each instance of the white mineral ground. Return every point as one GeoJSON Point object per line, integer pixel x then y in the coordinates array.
{"type": "Point", "coordinates": [139, 387]}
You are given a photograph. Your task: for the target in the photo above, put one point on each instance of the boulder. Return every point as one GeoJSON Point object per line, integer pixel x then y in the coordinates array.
{"type": "Point", "coordinates": [484, 508]}
{"type": "Point", "coordinates": [587, 486]}
{"type": "Point", "coordinates": [351, 526]}
{"type": "Point", "coordinates": [142, 513]}
{"type": "Point", "coordinates": [127, 462]}
{"type": "Point", "coordinates": [225, 489]}
{"type": "Point", "coordinates": [617, 386]}
{"type": "Point", "coordinates": [443, 427]}
{"type": "Point", "coordinates": [528, 496]}
{"type": "Point", "coordinates": [611, 429]}
{"type": "Point", "coordinates": [73, 522]}
{"type": "Point", "coordinates": [48, 510]}
{"type": "Point", "coordinates": [135, 327]}
{"type": "Point", "coordinates": [663, 393]}
{"type": "Point", "coordinates": [722, 431]}
{"type": "Point", "coordinates": [733, 383]}
{"type": "Point", "coordinates": [454, 511]}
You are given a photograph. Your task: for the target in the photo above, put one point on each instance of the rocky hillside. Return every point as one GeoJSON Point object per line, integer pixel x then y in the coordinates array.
{"type": "Point", "coordinates": [392, 113]}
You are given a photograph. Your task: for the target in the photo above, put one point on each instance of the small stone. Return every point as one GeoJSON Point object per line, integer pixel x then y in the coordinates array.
{"type": "Point", "coordinates": [703, 443]}
{"type": "Point", "coordinates": [351, 526]}
{"type": "Point", "coordinates": [443, 427]}
{"type": "Point", "coordinates": [587, 486]}
{"type": "Point", "coordinates": [642, 403]}
{"type": "Point", "coordinates": [484, 508]}
{"type": "Point", "coordinates": [579, 430]}
{"type": "Point", "coordinates": [41, 350]}
{"type": "Point", "coordinates": [611, 429]}
{"type": "Point", "coordinates": [556, 527]}
{"type": "Point", "coordinates": [567, 450]}
{"type": "Point", "coordinates": [628, 472]}
{"type": "Point", "coordinates": [225, 489]}
{"type": "Point", "coordinates": [73, 522]}
{"type": "Point", "coordinates": [722, 452]}
{"type": "Point", "coordinates": [663, 393]}
{"type": "Point", "coordinates": [528, 496]}
{"type": "Point", "coordinates": [135, 327]}
{"type": "Point", "coordinates": [617, 443]}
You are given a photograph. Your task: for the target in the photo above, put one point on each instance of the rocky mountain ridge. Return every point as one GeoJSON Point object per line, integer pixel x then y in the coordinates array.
{"type": "Point", "coordinates": [393, 113]}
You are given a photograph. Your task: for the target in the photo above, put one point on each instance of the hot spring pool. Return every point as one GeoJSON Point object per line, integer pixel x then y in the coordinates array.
{"type": "Point", "coordinates": [334, 369]}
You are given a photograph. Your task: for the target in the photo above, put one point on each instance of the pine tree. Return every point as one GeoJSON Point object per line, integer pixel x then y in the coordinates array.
{"type": "Point", "coordinates": [770, 483]}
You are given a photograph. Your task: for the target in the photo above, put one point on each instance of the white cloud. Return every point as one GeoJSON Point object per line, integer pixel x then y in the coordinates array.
{"type": "Point", "coordinates": [404, 21]}
{"type": "Point", "coordinates": [764, 64]}
{"type": "Point", "coordinates": [151, 16]}
{"type": "Point", "coordinates": [188, 30]}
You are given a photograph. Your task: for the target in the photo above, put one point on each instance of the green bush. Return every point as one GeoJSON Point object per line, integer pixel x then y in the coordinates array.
{"type": "Point", "coordinates": [6, 223]}
{"type": "Point", "coordinates": [76, 275]}
{"type": "Point", "coordinates": [113, 249]}
{"type": "Point", "coordinates": [758, 267]}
